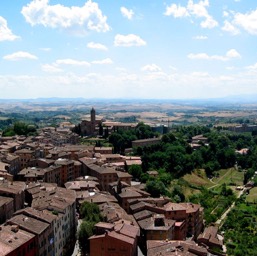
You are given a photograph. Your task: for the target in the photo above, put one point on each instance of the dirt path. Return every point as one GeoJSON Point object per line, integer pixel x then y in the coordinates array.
{"type": "Point", "coordinates": [220, 221]}
{"type": "Point", "coordinates": [220, 178]}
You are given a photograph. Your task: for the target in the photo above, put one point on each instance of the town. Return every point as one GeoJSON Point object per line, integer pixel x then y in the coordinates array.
{"type": "Point", "coordinates": [50, 183]}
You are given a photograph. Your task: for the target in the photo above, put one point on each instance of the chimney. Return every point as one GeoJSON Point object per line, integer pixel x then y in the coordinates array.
{"type": "Point", "coordinates": [15, 228]}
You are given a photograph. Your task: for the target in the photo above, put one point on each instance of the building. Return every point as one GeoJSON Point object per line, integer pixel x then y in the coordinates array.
{"type": "Point", "coordinates": [62, 203]}
{"type": "Point", "coordinates": [170, 248]}
{"type": "Point", "coordinates": [26, 156]}
{"type": "Point", "coordinates": [13, 162]}
{"type": "Point", "coordinates": [43, 232]}
{"type": "Point", "coordinates": [51, 219]}
{"type": "Point", "coordinates": [15, 241]}
{"type": "Point", "coordinates": [6, 208]}
{"type": "Point", "coordinates": [88, 127]}
{"type": "Point", "coordinates": [105, 175]}
{"type": "Point", "coordinates": [118, 240]}
{"type": "Point", "coordinates": [210, 238]}
{"type": "Point", "coordinates": [69, 170]}
{"type": "Point", "coordinates": [243, 128]}
{"type": "Point", "coordinates": [14, 190]}
{"type": "Point", "coordinates": [145, 142]}
{"type": "Point", "coordinates": [157, 227]}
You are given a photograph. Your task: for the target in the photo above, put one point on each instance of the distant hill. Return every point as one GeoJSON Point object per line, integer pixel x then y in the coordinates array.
{"type": "Point", "coordinates": [236, 99]}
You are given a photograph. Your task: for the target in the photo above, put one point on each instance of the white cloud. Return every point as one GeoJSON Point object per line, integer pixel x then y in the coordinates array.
{"type": "Point", "coordinates": [225, 14]}
{"type": "Point", "coordinates": [128, 40]}
{"type": "Point", "coordinates": [5, 33]}
{"type": "Point", "coordinates": [200, 74]}
{"type": "Point", "coordinates": [80, 19]}
{"type": "Point", "coordinates": [231, 54]}
{"type": "Point", "coordinates": [247, 21]}
{"type": "Point", "coordinates": [200, 37]}
{"type": "Point", "coordinates": [176, 11]}
{"type": "Point", "coordinates": [199, 9]}
{"type": "Point", "coordinates": [209, 23]}
{"type": "Point", "coordinates": [72, 62]}
{"type": "Point", "coordinates": [252, 67]}
{"type": "Point", "coordinates": [193, 10]}
{"type": "Point", "coordinates": [19, 55]}
{"type": "Point", "coordinates": [45, 49]}
{"type": "Point", "coordinates": [97, 46]}
{"type": "Point", "coordinates": [51, 68]}
{"type": "Point", "coordinates": [127, 13]}
{"type": "Point", "coordinates": [226, 78]}
{"type": "Point", "coordinates": [102, 62]}
{"type": "Point", "coordinates": [198, 56]}
{"type": "Point", "coordinates": [151, 68]}
{"type": "Point", "coordinates": [228, 27]}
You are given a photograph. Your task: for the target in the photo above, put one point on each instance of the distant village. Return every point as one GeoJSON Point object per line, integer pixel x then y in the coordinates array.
{"type": "Point", "coordinates": [45, 179]}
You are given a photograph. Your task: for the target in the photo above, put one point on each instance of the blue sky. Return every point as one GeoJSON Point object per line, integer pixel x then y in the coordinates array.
{"type": "Point", "coordinates": [128, 48]}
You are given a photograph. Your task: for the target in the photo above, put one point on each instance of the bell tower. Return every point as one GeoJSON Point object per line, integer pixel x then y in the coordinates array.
{"type": "Point", "coordinates": [92, 115]}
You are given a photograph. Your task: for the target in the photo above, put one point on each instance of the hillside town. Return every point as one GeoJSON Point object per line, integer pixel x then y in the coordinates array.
{"type": "Point", "coordinates": [45, 179]}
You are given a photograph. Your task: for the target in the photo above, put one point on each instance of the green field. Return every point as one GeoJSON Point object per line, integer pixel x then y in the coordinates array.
{"type": "Point", "coordinates": [197, 179]}
{"type": "Point", "coordinates": [252, 197]}
{"type": "Point", "coordinates": [229, 176]}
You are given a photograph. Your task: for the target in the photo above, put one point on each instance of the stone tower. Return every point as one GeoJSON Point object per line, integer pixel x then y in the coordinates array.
{"type": "Point", "coordinates": [92, 116]}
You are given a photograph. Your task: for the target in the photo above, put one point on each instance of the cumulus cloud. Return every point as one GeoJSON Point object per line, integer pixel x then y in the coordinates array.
{"type": "Point", "coordinates": [51, 68]}
{"type": "Point", "coordinates": [252, 67]}
{"type": "Point", "coordinates": [19, 55]}
{"type": "Point", "coordinates": [231, 54]}
{"type": "Point", "coordinates": [193, 10]}
{"type": "Point", "coordinates": [128, 40]}
{"type": "Point", "coordinates": [55, 67]}
{"type": "Point", "coordinates": [177, 11]}
{"type": "Point", "coordinates": [5, 33]}
{"type": "Point", "coordinates": [97, 46]}
{"type": "Point", "coordinates": [103, 62]}
{"type": "Point", "coordinates": [200, 37]}
{"type": "Point", "coordinates": [127, 13]}
{"type": "Point", "coordinates": [81, 19]}
{"type": "Point", "coordinates": [228, 27]}
{"type": "Point", "coordinates": [151, 68]}
{"type": "Point", "coordinates": [72, 62]}
{"type": "Point", "coordinates": [247, 21]}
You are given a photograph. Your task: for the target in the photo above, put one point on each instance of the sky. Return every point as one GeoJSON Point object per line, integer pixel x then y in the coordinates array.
{"type": "Point", "coordinates": [150, 49]}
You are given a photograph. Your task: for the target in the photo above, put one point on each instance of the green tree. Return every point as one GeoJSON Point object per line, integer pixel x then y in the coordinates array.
{"type": "Point", "coordinates": [90, 213]}
{"type": "Point", "coordinates": [85, 231]}
{"type": "Point", "coordinates": [136, 171]}
{"type": "Point", "coordinates": [155, 188]}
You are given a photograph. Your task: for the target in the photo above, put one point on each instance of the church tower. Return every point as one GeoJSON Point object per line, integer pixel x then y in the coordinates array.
{"type": "Point", "coordinates": [92, 115]}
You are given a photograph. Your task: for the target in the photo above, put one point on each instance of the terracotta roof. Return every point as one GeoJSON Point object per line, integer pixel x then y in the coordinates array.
{"type": "Point", "coordinates": [5, 200]}
{"type": "Point", "coordinates": [148, 224]}
{"type": "Point", "coordinates": [104, 225]}
{"type": "Point", "coordinates": [174, 207]}
{"type": "Point", "coordinates": [127, 230]}
{"type": "Point", "coordinates": [121, 237]}
{"type": "Point", "coordinates": [40, 215]}
{"type": "Point", "coordinates": [30, 224]}
{"type": "Point", "coordinates": [190, 208]}
{"type": "Point", "coordinates": [170, 248]}
{"type": "Point", "coordinates": [127, 192]}
{"type": "Point", "coordinates": [143, 215]}
{"type": "Point", "coordinates": [11, 237]}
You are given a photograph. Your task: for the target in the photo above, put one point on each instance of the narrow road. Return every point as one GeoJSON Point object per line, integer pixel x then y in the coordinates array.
{"type": "Point", "coordinates": [220, 221]}
{"type": "Point", "coordinates": [76, 251]}
{"type": "Point", "coordinates": [219, 179]}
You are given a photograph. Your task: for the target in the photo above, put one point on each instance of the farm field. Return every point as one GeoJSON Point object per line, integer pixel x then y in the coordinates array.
{"type": "Point", "coordinates": [252, 196]}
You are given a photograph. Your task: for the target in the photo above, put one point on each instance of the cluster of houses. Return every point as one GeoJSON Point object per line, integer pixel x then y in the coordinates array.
{"type": "Point", "coordinates": [45, 179]}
